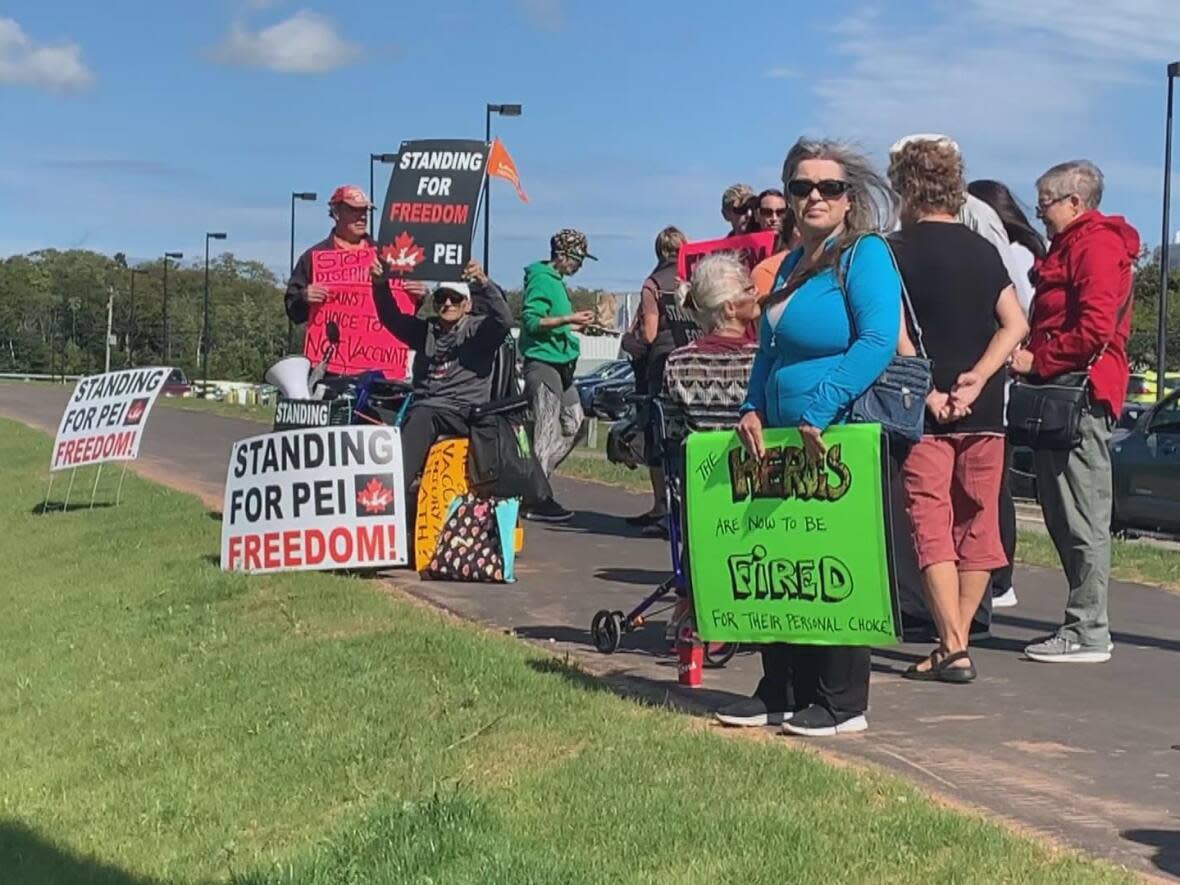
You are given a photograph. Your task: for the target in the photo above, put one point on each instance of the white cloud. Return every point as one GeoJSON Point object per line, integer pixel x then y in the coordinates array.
{"type": "Point", "coordinates": [1010, 79]}
{"type": "Point", "coordinates": [1143, 30]}
{"type": "Point", "coordinates": [780, 73]}
{"type": "Point", "coordinates": [549, 15]}
{"type": "Point", "coordinates": [57, 68]}
{"type": "Point", "coordinates": [305, 43]}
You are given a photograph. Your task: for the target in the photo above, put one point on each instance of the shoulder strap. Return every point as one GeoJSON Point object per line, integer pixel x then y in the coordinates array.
{"type": "Point", "coordinates": [911, 316]}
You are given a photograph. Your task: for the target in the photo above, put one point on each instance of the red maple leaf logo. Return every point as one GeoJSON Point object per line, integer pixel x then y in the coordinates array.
{"type": "Point", "coordinates": [404, 255]}
{"type": "Point", "coordinates": [375, 497]}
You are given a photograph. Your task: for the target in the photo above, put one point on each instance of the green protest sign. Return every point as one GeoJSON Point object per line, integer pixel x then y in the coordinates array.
{"type": "Point", "coordinates": [790, 549]}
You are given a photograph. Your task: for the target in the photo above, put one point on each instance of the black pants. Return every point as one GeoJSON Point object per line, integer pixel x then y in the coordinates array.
{"type": "Point", "coordinates": [834, 677]}
{"type": "Point", "coordinates": [424, 423]}
{"type": "Point", "coordinates": [1002, 577]}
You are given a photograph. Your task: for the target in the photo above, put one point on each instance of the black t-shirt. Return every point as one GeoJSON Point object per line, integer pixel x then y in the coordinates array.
{"type": "Point", "coordinates": [955, 277]}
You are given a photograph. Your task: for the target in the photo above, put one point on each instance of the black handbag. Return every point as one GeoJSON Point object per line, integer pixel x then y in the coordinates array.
{"type": "Point", "coordinates": [897, 399]}
{"type": "Point", "coordinates": [500, 461]}
{"type": "Point", "coordinates": [1048, 414]}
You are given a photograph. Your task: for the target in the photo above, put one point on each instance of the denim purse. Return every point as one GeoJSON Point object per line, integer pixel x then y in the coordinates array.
{"type": "Point", "coordinates": [897, 399]}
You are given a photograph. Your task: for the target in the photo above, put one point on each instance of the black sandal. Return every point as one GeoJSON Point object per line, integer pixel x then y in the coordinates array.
{"type": "Point", "coordinates": [940, 672]}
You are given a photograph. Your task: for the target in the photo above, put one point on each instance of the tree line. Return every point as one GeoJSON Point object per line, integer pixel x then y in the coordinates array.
{"type": "Point", "coordinates": [53, 314]}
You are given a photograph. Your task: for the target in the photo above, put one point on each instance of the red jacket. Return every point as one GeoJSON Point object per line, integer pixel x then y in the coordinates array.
{"type": "Point", "coordinates": [1081, 285]}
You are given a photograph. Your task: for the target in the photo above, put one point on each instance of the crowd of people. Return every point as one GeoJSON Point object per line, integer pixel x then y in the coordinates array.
{"type": "Point", "coordinates": [867, 265]}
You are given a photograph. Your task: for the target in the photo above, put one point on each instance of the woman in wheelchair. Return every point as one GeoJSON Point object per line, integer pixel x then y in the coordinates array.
{"type": "Point", "coordinates": [705, 381]}
{"type": "Point", "coordinates": [454, 359]}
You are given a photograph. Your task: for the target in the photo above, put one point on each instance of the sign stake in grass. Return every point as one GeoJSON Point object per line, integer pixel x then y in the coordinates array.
{"type": "Point", "coordinates": [65, 508]}
{"type": "Point", "coordinates": [94, 490]}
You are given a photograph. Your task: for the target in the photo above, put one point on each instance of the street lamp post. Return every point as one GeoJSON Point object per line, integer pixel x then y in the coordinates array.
{"type": "Point", "coordinates": [376, 158]}
{"type": "Point", "coordinates": [1161, 347]}
{"type": "Point", "coordinates": [167, 331]}
{"type": "Point", "coordinates": [205, 321]}
{"type": "Point", "coordinates": [310, 197]}
{"type": "Point", "coordinates": [131, 323]}
{"type": "Point", "coordinates": [504, 110]}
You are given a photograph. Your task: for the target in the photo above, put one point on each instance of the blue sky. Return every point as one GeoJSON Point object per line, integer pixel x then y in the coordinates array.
{"type": "Point", "coordinates": [136, 127]}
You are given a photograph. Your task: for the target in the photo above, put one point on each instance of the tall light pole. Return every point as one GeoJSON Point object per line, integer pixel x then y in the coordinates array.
{"type": "Point", "coordinates": [131, 322]}
{"type": "Point", "coordinates": [310, 197]}
{"type": "Point", "coordinates": [167, 331]}
{"type": "Point", "coordinates": [110, 316]}
{"type": "Point", "coordinates": [376, 158]}
{"type": "Point", "coordinates": [1161, 345]}
{"type": "Point", "coordinates": [504, 110]}
{"type": "Point", "coordinates": [205, 321]}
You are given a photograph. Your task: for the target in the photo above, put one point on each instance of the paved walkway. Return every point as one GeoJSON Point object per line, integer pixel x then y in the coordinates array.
{"type": "Point", "coordinates": [1087, 755]}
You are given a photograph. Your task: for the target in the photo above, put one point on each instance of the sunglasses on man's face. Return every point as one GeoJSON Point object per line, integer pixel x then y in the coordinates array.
{"type": "Point", "coordinates": [828, 187]}
{"type": "Point", "coordinates": [448, 298]}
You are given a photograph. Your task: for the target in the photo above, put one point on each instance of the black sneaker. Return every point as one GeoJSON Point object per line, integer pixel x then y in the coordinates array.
{"type": "Point", "coordinates": [817, 721]}
{"type": "Point", "coordinates": [644, 519]}
{"type": "Point", "coordinates": [749, 713]}
{"type": "Point", "coordinates": [548, 511]}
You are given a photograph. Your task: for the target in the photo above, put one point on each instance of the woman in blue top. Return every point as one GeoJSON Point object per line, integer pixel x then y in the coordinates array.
{"type": "Point", "coordinates": [810, 367]}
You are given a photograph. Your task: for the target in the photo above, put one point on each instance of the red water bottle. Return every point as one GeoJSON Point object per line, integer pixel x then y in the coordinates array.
{"type": "Point", "coordinates": [691, 657]}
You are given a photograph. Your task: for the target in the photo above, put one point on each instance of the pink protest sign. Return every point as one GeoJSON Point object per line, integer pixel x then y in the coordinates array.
{"type": "Point", "coordinates": [365, 345]}
{"type": "Point", "coordinates": [750, 248]}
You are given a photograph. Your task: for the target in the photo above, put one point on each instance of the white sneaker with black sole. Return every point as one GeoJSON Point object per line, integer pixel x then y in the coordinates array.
{"type": "Point", "coordinates": [750, 713]}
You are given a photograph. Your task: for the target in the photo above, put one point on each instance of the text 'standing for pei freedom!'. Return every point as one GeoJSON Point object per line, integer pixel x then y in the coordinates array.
{"type": "Point", "coordinates": [318, 498]}
{"type": "Point", "coordinates": [105, 417]}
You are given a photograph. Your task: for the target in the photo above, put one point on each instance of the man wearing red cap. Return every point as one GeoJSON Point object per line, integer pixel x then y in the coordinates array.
{"type": "Point", "coordinates": [349, 207]}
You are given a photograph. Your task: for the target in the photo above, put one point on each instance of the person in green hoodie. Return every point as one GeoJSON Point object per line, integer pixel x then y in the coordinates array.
{"type": "Point", "coordinates": [550, 350]}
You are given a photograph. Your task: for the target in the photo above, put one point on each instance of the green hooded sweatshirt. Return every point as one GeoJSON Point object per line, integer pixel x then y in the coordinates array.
{"type": "Point", "coordinates": [545, 295]}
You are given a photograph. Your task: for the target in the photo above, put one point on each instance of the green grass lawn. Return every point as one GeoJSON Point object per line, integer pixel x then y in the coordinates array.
{"type": "Point", "coordinates": [164, 722]}
{"type": "Point", "coordinates": [261, 414]}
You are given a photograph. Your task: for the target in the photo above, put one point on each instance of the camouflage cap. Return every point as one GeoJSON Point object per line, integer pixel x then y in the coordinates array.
{"type": "Point", "coordinates": [572, 244]}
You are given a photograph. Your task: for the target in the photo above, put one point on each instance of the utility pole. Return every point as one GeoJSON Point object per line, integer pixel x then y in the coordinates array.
{"type": "Point", "coordinates": [110, 314]}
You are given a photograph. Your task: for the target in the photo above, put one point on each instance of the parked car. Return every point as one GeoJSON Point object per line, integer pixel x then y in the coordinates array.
{"type": "Point", "coordinates": [614, 370]}
{"type": "Point", "coordinates": [177, 385]}
{"type": "Point", "coordinates": [1146, 462]}
{"type": "Point", "coordinates": [609, 399]}
{"type": "Point", "coordinates": [1141, 390]}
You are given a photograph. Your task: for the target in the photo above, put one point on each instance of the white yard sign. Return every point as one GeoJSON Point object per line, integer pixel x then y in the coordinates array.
{"type": "Point", "coordinates": [105, 417]}
{"type": "Point", "coordinates": [319, 498]}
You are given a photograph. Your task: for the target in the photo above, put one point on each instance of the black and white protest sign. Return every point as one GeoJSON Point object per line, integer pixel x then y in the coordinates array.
{"type": "Point", "coordinates": [430, 208]}
{"type": "Point", "coordinates": [105, 417]}
{"type": "Point", "coordinates": [330, 498]}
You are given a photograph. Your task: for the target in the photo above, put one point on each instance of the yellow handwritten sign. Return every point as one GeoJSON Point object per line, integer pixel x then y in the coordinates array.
{"type": "Point", "coordinates": [444, 479]}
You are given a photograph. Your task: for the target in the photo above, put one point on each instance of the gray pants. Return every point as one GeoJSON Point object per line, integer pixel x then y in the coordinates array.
{"type": "Point", "coordinates": [557, 414]}
{"type": "Point", "coordinates": [1075, 492]}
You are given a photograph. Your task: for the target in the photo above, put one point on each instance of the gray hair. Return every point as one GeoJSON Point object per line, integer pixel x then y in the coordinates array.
{"type": "Point", "coordinates": [716, 280]}
{"type": "Point", "coordinates": [1079, 177]}
{"type": "Point", "coordinates": [873, 204]}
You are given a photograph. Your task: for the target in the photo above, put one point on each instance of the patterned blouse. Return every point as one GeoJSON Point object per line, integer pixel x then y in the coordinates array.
{"type": "Point", "coordinates": [705, 383]}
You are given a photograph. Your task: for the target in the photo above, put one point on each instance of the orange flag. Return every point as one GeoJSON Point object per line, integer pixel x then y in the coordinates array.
{"type": "Point", "coordinates": [500, 164]}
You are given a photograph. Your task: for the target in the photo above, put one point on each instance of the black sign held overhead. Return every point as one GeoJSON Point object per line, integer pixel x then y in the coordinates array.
{"type": "Point", "coordinates": [429, 213]}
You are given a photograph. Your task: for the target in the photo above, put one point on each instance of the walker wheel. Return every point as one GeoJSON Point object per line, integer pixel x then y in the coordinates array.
{"type": "Point", "coordinates": [607, 631]}
{"type": "Point", "coordinates": [718, 654]}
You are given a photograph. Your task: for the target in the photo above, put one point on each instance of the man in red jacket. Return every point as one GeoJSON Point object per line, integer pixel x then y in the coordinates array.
{"type": "Point", "coordinates": [1081, 320]}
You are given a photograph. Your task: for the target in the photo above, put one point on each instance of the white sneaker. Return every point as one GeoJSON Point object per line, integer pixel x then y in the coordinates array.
{"type": "Point", "coordinates": [1007, 599]}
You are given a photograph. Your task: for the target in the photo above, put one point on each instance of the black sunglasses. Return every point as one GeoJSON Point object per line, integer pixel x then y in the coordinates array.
{"type": "Point", "coordinates": [828, 187]}
{"type": "Point", "coordinates": [764, 210]}
{"type": "Point", "coordinates": [448, 297]}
